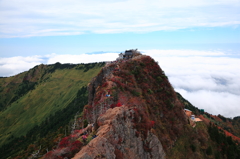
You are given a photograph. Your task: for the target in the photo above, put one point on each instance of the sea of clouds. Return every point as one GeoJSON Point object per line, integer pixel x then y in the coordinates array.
{"type": "Point", "coordinates": [208, 79]}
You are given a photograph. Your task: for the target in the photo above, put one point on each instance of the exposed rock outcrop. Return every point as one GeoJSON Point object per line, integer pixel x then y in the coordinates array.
{"type": "Point", "coordinates": [98, 81]}
{"type": "Point", "coordinates": [117, 138]}
{"type": "Point", "coordinates": [135, 111]}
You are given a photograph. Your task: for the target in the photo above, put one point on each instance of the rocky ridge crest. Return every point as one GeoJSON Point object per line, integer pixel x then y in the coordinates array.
{"type": "Point", "coordinates": [116, 138]}
{"type": "Point", "coordinates": [130, 103]}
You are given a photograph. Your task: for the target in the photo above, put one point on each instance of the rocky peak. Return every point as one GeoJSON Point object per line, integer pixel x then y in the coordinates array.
{"type": "Point", "coordinates": [117, 137]}
{"type": "Point", "coordinates": [135, 110]}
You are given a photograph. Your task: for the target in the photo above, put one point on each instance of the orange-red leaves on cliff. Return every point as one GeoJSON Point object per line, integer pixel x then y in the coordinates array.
{"type": "Point", "coordinates": [64, 142]}
{"type": "Point", "coordinates": [141, 84]}
{"type": "Point", "coordinates": [119, 104]}
{"type": "Point", "coordinates": [67, 147]}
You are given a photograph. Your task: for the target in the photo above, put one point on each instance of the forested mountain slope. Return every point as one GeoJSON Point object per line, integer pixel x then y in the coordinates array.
{"type": "Point", "coordinates": [131, 111]}
{"type": "Point", "coordinates": [44, 98]}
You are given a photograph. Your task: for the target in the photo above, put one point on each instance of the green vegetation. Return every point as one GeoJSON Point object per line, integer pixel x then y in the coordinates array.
{"type": "Point", "coordinates": [39, 107]}
{"type": "Point", "coordinates": [218, 146]}
{"type": "Point", "coordinates": [188, 105]}
{"type": "Point", "coordinates": [228, 148]}
{"type": "Point", "coordinates": [42, 100]}
{"type": "Point", "coordinates": [54, 126]}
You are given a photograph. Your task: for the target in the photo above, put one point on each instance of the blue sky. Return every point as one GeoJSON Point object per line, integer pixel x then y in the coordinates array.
{"type": "Point", "coordinates": [79, 26]}
{"type": "Point", "coordinates": [206, 38]}
{"type": "Point", "coordinates": [196, 42]}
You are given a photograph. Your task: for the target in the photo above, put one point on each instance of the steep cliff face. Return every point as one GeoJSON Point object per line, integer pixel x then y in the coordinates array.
{"type": "Point", "coordinates": [117, 137]}
{"type": "Point", "coordinates": [132, 112]}
{"type": "Point", "coordinates": [135, 111]}
{"type": "Point", "coordinates": [98, 81]}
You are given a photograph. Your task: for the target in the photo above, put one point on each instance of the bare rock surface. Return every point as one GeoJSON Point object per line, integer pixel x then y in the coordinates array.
{"type": "Point", "coordinates": [97, 81]}
{"type": "Point", "coordinates": [116, 138]}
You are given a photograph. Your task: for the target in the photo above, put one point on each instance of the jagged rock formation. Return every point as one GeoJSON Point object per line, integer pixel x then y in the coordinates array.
{"type": "Point", "coordinates": [137, 114]}
{"type": "Point", "coordinates": [97, 82]}
{"type": "Point", "coordinates": [130, 101]}
{"type": "Point", "coordinates": [133, 107]}
{"type": "Point", "coordinates": [117, 138]}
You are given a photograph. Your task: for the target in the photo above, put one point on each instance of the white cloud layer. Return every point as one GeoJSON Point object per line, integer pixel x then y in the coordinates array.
{"type": "Point", "coordinates": [208, 79]}
{"type": "Point", "coordinates": [14, 65]}
{"type": "Point", "coordinates": [28, 18]}
{"type": "Point", "coordinates": [83, 58]}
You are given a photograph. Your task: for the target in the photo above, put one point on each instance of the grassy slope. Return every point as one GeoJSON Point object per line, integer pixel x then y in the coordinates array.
{"type": "Point", "coordinates": [53, 94]}
{"type": "Point", "coordinates": [10, 87]}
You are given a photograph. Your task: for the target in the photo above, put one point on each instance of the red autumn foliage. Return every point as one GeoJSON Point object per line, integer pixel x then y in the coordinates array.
{"type": "Point", "coordinates": [118, 104]}
{"type": "Point", "coordinates": [141, 122]}
{"type": "Point", "coordinates": [75, 146]}
{"type": "Point", "coordinates": [207, 121]}
{"type": "Point", "coordinates": [73, 135]}
{"type": "Point", "coordinates": [142, 84]}
{"type": "Point", "coordinates": [78, 131]}
{"type": "Point", "coordinates": [105, 84]}
{"type": "Point", "coordinates": [68, 147]}
{"type": "Point", "coordinates": [112, 105]}
{"type": "Point", "coordinates": [64, 142]}
{"type": "Point", "coordinates": [216, 118]}
{"type": "Point", "coordinates": [230, 134]}
{"type": "Point", "coordinates": [115, 105]}
{"type": "Point", "coordinates": [152, 123]}
{"type": "Point", "coordinates": [77, 143]}
{"type": "Point", "coordinates": [118, 153]}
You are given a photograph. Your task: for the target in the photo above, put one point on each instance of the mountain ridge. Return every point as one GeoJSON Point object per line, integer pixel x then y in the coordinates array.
{"type": "Point", "coordinates": [56, 87]}
{"type": "Point", "coordinates": [136, 93]}
{"type": "Point", "coordinates": [133, 111]}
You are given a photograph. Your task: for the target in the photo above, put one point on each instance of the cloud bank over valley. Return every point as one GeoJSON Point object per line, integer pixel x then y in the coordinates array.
{"type": "Point", "coordinates": [208, 79]}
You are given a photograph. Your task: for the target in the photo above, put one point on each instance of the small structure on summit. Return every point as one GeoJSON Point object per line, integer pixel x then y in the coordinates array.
{"type": "Point", "coordinates": [128, 54]}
